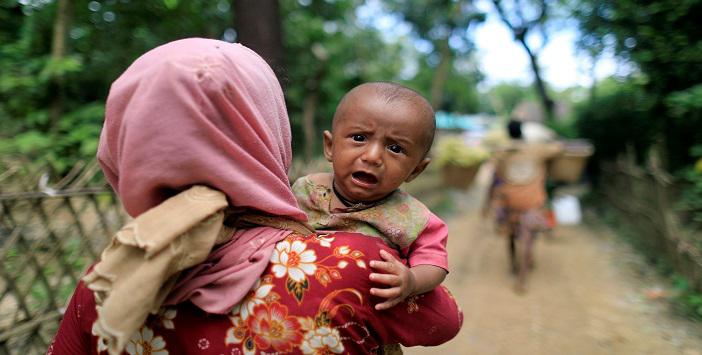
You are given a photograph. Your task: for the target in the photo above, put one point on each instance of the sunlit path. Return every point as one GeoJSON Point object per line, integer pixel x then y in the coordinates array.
{"type": "Point", "coordinates": [584, 297]}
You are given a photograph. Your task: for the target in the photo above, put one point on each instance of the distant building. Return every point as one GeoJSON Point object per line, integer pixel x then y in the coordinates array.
{"type": "Point", "coordinates": [472, 128]}
{"type": "Point", "coordinates": [456, 122]}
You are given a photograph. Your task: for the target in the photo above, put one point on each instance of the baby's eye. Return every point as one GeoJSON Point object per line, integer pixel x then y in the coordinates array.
{"type": "Point", "coordinates": [395, 148]}
{"type": "Point", "coordinates": [358, 137]}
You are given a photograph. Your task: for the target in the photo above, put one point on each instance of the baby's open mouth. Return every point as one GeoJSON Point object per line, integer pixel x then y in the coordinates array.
{"type": "Point", "coordinates": [365, 177]}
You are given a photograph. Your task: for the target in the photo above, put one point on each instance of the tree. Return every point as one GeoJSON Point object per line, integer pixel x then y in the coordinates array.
{"type": "Point", "coordinates": [37, 121]}
{"type": "Point", "coordinates": [523, 18]}
{"type": "Point", "coordinates": [445, 28]}
{"type": "Point", "coordinates": [328, 52]}
{"type": "Point", "coordinates": [460, 93]}
{"type": "Point", "coordinates": [662, 40]}
{"type": "Point", "coordinates": [259, 27]}
{"type": "Point", "coordinates": [505, 97]}
{"type": "Point", "coordinates": [58, 51]}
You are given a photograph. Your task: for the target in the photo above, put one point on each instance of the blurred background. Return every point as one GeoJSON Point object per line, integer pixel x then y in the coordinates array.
{"type": "Point", "coordinates": [619, 81]}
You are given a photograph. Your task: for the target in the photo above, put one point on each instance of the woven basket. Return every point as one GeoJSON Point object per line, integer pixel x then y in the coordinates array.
{"type": "Point", "coordinates": [569, 165]}
{"type": "Point", "coordinates": [459, 177]}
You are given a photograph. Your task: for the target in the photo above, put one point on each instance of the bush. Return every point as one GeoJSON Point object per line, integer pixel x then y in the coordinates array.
{"type": "Point", "coordinates": [684, 130]}
{"type": "Point", "coordinates": [617, 117]}
{"type": "Point", "coordinates": [691, 197]}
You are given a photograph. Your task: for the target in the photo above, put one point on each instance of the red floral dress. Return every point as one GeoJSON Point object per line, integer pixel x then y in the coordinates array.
{"type": "Point", "coordinates": [314, 299]}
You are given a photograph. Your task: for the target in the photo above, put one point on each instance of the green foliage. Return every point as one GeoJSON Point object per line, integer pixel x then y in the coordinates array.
{"type": "Point", "coordinates": [443, 30]}
{"type": "Point", "coordinates": [328, 52]}
{"type": "Point", "coordinates": [684, 127]}
{"type": "Point", "coordinates": [565, 128]}
{"type": "Point", "coordinates": [686, 109]}
{"type": "Point", "coordinates": [29, 142]}
{"type": "Point", "coordinates": [618, 117]}
{"type": "Point", "coordinates": [686, 103]}
{"type": "Point", "coordinates": [505, 97]}
{"type": "Point", "coordinates": [446, 19]}
{"type": "Point", "coordinates": [460, 92]}
{"type": "Point", "coordinates": [662, 36]}
{"type": "Point", "coordinates": [327, 49]}
{"type": "Point", "coordinates": [102, 39]}
{"type": "Point", "coordinates": [691, 196]}
{"type": "Point", "coordinates": [170, 4]}
{"type": "Point", "coordinates": [454, 151]}
{"type": "Point", "coordinates": [661, 39]}
{"type": "Point", "coordinates": [687, 298]}
{"type": "Point", "coordinates": [61, 67]}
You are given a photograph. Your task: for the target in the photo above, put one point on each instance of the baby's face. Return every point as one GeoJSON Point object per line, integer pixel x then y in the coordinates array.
{"type": "Point", "coordinates": [375, 146]}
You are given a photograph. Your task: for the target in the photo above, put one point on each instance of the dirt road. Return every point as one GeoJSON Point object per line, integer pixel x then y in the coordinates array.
{"type": "Point", "coordinates": [587, 295]}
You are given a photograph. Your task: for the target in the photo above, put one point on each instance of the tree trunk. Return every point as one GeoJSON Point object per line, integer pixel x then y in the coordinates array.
{"type": "Point", "coordinates": [546, 100]}
{"type": "Point", "coordinates": [58, 52]}
{"type": "Point", "coordinates": [310, 104]}
{"type": "Point", "coordinates": [309, 109]}
{"type": "Point", "coordinates": [440, 75]}
{"type": "Point", "coordinates": [258, 26]}
{"type": "Point", "coordinates": [593, 87]}
{"type": "Point", "coordinates": [520, 34]}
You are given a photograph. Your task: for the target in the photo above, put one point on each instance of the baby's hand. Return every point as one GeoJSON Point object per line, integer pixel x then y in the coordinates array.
{"type": "Point", "coordinates": [397, 276]}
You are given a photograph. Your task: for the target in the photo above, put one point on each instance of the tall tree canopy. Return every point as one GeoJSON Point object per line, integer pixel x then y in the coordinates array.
{"type": "Point", "coordinates": [444, 25]}
{"type": "Point", "coordinates": [662, 39]}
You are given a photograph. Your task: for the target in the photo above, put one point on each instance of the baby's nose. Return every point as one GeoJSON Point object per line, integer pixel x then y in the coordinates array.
{"type": "Point", "coordinates": [373, 155]}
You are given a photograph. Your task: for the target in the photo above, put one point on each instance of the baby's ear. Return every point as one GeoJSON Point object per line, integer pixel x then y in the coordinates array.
{"type": "Point", "coordinates": [328, 145]}
{"type": "Point", "coordinates": [418, 169]}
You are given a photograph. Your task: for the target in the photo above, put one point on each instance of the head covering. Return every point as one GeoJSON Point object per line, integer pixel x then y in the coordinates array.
{"type": "Point", "coordinates": [191, 127]}
{"type": "Point", "coordinates": [198, 111]}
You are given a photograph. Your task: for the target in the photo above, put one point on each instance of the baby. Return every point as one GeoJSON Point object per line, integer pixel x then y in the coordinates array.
{"type": "Point", "coordinates": [380, 138]}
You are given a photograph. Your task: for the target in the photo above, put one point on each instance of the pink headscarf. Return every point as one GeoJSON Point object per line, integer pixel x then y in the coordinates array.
{"type": "Point", "coordinates": [198, 111]}
{"type": "Point", "coordinates": [203, 112]}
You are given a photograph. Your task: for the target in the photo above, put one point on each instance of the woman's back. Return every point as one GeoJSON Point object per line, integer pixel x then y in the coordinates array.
{"type": "Point", "coordinates": [209, 115]}
{"type": "Point", "coordinates": [314, 298]}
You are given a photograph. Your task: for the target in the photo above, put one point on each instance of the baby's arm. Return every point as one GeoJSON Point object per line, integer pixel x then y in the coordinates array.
{"type": "Point", "coordinates": [402, 281]}
{"type": "Point", "coordinates": [428, 257]}
{"type": "Point", "coordinates": [426, 277]}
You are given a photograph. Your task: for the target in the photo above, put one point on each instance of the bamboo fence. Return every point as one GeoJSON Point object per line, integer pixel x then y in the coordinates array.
{"type": "Point", "coordinates": [645, 199]}
{"type": "Point", "coordinates": [49, 235]}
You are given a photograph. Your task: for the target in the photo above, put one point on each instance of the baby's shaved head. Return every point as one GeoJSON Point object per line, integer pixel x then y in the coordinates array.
{"type": "Point", "coordinates": [393, 93]}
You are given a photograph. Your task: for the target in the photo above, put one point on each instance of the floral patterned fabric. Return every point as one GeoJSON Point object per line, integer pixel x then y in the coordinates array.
{"type": "Point", "coordinates": [314, 299]}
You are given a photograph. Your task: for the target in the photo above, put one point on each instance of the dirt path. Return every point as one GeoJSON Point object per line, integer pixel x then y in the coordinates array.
{"type": "Point", "coordinates": [586, 296]}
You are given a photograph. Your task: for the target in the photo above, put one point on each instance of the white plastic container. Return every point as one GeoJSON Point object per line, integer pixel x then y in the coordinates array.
{"type": "Point", "coordinates": [567, 210]}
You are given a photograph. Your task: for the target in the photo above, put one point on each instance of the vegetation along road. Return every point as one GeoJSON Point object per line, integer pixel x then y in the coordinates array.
{"type": "Point", "coordinates": [588, 294]}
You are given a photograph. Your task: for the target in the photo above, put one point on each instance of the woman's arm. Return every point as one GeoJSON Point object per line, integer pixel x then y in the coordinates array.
{"type": "Point", "coordinates": [73, 335]}
{"type": "Point", "coordinates": [316, 284]}
{"type": "Point", "coordinates": [426, 319]}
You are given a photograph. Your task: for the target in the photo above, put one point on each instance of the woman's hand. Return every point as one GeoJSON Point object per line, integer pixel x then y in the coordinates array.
{"type": "Point", "coordinates": [396, 275]}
